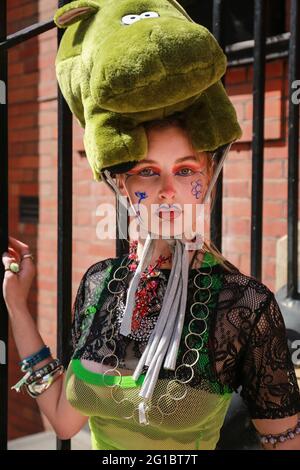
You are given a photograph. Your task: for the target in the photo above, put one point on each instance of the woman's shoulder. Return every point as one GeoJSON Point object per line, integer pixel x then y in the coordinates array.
{"type": "Point", "coordinates": [104, 264]}
{"type": "Point", "coordinates": [245, 291]}
{"type": "Point", "coordinates": [99, 269]}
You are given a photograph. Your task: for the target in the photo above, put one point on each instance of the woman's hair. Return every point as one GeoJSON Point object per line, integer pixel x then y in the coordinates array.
{"type": "Point", "coordinates": [178, 120]}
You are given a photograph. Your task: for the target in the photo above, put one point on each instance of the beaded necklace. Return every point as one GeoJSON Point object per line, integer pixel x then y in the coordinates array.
{"type": "Point", "coordinates": [147, 289]}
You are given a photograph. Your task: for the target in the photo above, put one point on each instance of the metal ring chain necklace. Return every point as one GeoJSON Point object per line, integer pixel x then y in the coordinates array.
{"type": "Point", "coordinates": [177, 387]}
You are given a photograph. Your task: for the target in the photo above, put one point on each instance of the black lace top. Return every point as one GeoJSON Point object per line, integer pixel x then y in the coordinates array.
{"type": "Point", "coordinates": [245, 345]}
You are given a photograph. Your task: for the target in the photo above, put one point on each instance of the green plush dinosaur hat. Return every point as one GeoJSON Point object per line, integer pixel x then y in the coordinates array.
{"type": "Point", "coordinates": [121, 63]}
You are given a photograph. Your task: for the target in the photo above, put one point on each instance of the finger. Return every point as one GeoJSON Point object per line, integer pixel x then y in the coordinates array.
{"type": "Point", "coordinates": [28, 261]}
{"type": "Point", "coordinates": [13, 253]}
{"type": "Point", "coordinates": [7, 259]}
{"type": "Point", "coordinates": [19, 246]}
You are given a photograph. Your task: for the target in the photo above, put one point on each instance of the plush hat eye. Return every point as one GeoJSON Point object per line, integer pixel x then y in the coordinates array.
{"type": "Point", "coordinates": [129, 19]}
{"type": "Point", "coordinates": [149, 14]}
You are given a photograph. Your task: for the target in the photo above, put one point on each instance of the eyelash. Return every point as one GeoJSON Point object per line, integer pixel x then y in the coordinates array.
{"type": "Point", "coordinates": [185, 168]}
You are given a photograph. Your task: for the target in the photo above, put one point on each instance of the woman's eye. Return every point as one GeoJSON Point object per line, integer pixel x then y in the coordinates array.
{"type": "Point", "coordinates": [186, 172]}
{"type": "Point", "coordinates": [129, 19]}
{"type": "Point", "coordinates": [149, 14]}
{"type": "Point", "coordinates": [145, 170]}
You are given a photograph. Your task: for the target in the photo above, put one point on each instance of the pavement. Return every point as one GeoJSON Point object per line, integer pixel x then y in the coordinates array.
{"type": "Point", "coordinates": [47, 441]}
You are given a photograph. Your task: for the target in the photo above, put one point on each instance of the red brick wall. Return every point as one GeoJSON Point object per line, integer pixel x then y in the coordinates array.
{"type": "Point", "coordinates": [33, 162]}
{"type": "Point", "coordinates": [238, 168]}
{"type": "Point", "coordinates": [24, 416]}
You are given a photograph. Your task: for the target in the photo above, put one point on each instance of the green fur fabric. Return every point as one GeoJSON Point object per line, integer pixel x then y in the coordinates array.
{"type": "Point", "coordinates": [121, 63]}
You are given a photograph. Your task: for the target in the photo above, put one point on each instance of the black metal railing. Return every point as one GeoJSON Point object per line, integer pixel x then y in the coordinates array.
{"type": "Point", "coordinates": [257, 52]}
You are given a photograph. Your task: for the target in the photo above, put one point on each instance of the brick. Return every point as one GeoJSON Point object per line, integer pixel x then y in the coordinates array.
{"type": "Point", "coordinates": [276, 151]}
{"type": "Point", "coordinates": [19, 109]}
{"type": "Point", "coordinates": [276, 189]}
{"type": "Point", "coordinates": [27, 11]}
{"type": "Point", "coordinates": [245, 264]}
{"type": "Point", "coordinates": [236, 188]}
{"type": "Point", "coordinates": [273, 169]}
{"type": "Point", "coordinates": [236, 75]}
{"type": "Point", "coordinates": [27, 161]}
{"type": "Point", "coordinates": [234, 258]}
{"type": "Point", "coordinates": [272, 109]}
{"type": "Point", "coordinates": [269, 268]}
{"type": "Point", "coordinates": [234, 207]}
{"type": "Point", "coordinates": [48, 217]}
{"type": "Point", "coordinates": [274, 69]}
{"type": "Point", "coordinates": [46, 89]}
{"type": "Point", "coordinates": [236, 244]}
{"type": "Point", "coordinates": [237, 170]}
{"type": "Point", "coordinates": [27, 229]}
{"type": "Point", "coordinates": [247, 131]}
{"type": "Point", "coordinates": [28, 93]}
{"type": "Point", "coordinates": [47, 118]}
{"type": "Point", "coordinates": [27, 80]}
{"type": "Point", "coordinates": [23, 122]}
{"type": "Point", "coordinates": [237, 227]}
{"type": "Point", "coordinates": [274, 209]}
{"type": "Point", "coordinates": [273, 129]}
{"type": "Point", "coordinates": [31, 65]}
{"type": "Point", "coordinates": [269, 247]}
{"type": "Point", "coordinates": [16, 69]}
{"type": "Point", "coordinates": [274, 227]}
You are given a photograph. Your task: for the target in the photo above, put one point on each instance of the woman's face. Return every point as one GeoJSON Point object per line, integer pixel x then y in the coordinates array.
{"type": "Point", "coordinates": [171, 177]}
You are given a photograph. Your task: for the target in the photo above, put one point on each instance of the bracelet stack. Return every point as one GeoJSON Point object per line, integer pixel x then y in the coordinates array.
{"type": "Point", "coordinates": [34, 359]}
{"type": "Point", "coordinates": [275, 439]}
{"type": "Point", "coordinates": [38, 381]}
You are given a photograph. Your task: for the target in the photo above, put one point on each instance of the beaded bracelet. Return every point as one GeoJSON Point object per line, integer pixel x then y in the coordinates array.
{"type": "Point", "coordinates": [275, 439]}
{"type": "Point", "coordinates": [33, 359]}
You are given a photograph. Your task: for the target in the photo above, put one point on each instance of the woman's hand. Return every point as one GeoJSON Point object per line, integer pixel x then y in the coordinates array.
{"type": "Point", "coordinates": [16, 285]}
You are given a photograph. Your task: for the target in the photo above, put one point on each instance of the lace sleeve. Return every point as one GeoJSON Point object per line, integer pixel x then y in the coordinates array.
{"type": "Point", "coordinates": [77, 312]}
{"type": "Point", "coordinates": [269, 384]}
{"type": "Point", "coordinates": [89, 287]}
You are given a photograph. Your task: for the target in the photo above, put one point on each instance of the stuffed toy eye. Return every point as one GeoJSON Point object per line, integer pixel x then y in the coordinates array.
{"type": "Point", "coordinates": [149, 14]}
{"type": "Point", "coordinates": [129, 19]}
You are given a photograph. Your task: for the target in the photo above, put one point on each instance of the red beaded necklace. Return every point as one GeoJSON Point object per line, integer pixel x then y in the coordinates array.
{"type": "Point", "coordinates": [148, 286]}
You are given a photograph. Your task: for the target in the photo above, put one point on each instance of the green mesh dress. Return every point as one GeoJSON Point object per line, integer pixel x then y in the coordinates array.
{"type": "Point", "coordinates": [243, 348]}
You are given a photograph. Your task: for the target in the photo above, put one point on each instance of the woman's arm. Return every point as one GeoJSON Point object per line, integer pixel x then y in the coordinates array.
{"type": "Point", "coordinates": [278, 426]}
{"type": "Point", "coordinates": [269, 383]}
{"type": "Point", "coordinates": [65, 420]}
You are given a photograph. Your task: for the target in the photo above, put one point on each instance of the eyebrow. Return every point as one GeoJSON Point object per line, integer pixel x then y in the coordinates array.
{"type": "Point", "coordinates": [179, 160]}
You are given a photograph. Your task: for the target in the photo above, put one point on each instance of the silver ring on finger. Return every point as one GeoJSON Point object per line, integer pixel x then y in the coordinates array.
{"type": "Point", "coordinates": [13, 267]}
{"type": "Point", "coordinates": [28, 255]}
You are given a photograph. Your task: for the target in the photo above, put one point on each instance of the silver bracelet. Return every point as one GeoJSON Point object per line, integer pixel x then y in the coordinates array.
{"type": "Point", "coordinates": [40, 385]}
{"type": "Point", "coordinates": [32, 375]}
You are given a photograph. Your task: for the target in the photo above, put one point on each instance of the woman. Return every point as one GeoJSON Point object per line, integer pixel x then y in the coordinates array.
{"type": "Point", "coordinates": [230, 335]}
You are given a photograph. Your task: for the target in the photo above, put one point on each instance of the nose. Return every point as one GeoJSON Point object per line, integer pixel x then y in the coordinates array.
{"type": "Point", "coordinates": [167, 190]}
